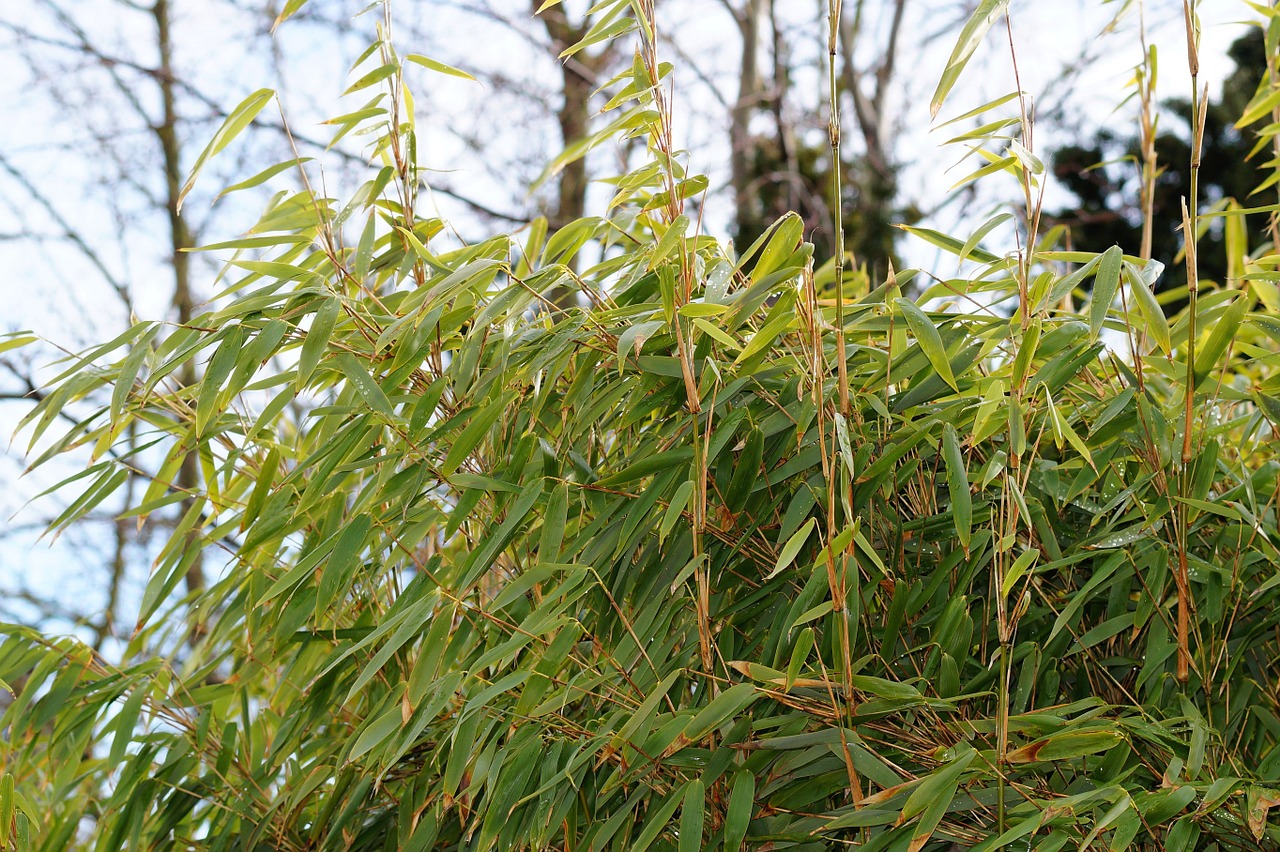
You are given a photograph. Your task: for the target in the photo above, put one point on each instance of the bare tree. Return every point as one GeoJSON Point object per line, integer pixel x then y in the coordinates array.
{"type": "Point", "coordinates": [124, 115]}
{"type": "Point", "coordinates": [580, 76]}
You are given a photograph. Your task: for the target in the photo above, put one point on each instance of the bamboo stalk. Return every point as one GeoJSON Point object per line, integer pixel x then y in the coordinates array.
{"type": "Point", "coordinates": [1190, 219]}
{"type": "Point", "coordinates": [834, 11]}
{"type": "Point", "coordinates": [838, 579]}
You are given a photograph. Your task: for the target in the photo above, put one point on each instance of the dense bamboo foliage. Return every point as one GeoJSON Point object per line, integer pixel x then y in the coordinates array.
{"type": "Point", "coordinates": [741, 550]}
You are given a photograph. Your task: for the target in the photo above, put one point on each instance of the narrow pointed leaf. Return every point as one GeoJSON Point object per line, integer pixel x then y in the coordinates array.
{"type": "Point", "coordinates": [239, 118]}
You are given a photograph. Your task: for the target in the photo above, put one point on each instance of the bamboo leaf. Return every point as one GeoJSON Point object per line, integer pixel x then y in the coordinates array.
{"type": "Point", "coordinates": [364, 384]}
{"type": "Point", "coordinates": [926, 334]}
{"type": "Point", "coordinates": [1221, 336]}
{"type": "Point", "coordinates": [437, 66]}
{"type": "Point", "coordinates": [316, 341]}
{"type": "Point", "coordinates": [692, 816]}
{"type": "Point", "coordinates": [950, 244]}
{"type": "Point", "coordinates": [1140, 284]}
{"type": "Point", "coordinates": [236, 121]}
{"type": "Point", "coordinates": [958, 486]}
{"type": "Point", "coordinates": [938, 786]}
{"type": "Point", "coordinates": [290, 9]}
{"type": "Point", "coordinates": [725, 706]}
{"type": "Point", "coordinates": [257, 180]}
{"type": "Point", "coordinates": [1105, 285]}
{"type": "Point", "coordinates": [971, 36]}
{"type": "Point", "coordinates": [343, 561]}
{"type": "Point", "coordinates": [742, 800]}
{"type": "Point", "coordinates": [792, 548]}
{"type": "Point", "coordinates": [657, 822]}
{"type": "Point", "coordinates": [375, 732]}
{"type": "Point", "coordinates": [1065, 746]}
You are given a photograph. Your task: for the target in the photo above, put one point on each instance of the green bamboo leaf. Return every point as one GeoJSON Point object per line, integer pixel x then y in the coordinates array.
{"type": "Point", "coordinates": [675, 509]}
{"type": "Point", "coordinates": [783, 240]}
{"type": "Point", "coordinates": [15, 340]}
{"type": "Point", "coordinates": [971, 36]}
{"type": "Point", "coordinates": [278, 271]}
{"type": "Point", "coordinates": [604, 30]}
{"type": "Point", "coordinates": [6, 809]}
{"type": "Point", "coordinates": [1068, 282]}
{"type": "Point", "coordinates": [701, 309]}
{"type": "Point", "coordinates": [792, 548]}
{"type": "Point", "coordinates": [1017, 428]}
{"type": "Point", "coordinates": [958, 486]}
{"type": "Point", "coordinates": [1016, 571]}
{"type": "Point", "coordinates": [884, 688]}
{"type": "Point", "coordinates": [473, 434]}
{"type": "Point", "coordinates": [125, 724]}
{"type": "Point", "coordinates": [171, 568]}
{"type": "Point", "coordinates": [1263, 104]}
{"type": "Point", "coordinates": [1000, 165]}
{"type": "Point", "coordinates": [692, 816]}
{"type": "Point", "coordinates": [935, 809]}
{"type": "Point", "coordinates": [1027, 349]}
{"type": "Point", "coordinates": [1105, 285]}
{"type": "Point", "coordinates": [437, 66]}
{"type": "Point", "coordinates": [129, 369]}
{"type": "Point", "coordinates": [481, 559]}
{"type": "Point", "coordinates": [1020, 828]}
{"type": "Point", "coordinates": [643, 717]}
{"type": "Point", "coordinates": [1140, 284]}
{"type": "Point", "coordinates": [553, 523]}
{"type": "Point", "coordinates": [742, 804]}
{"type": "Point", "coordinates": [765, 338]}
{"type": "Point", "coordinates": [364, 249]}
{"type": "Point", "coordinates": [1066, 746]}
{"type": "Point", "coordinates": [648, 466]}
{"type": "Point", "coordinates": [937, 786]}
{"type": "Point", "coordinates": [799, 654]}
{"type": "Point", "coordinates": [364, 384]}
{"type": "Point", "coordinates": [262, 486]}
{"type": "Point", "coordinates": [1061, 424]}
{"type": "Point", "coordinates": [239, 118]}
{"type": "Point", "coordinates": [335, 582]}
{"type": "Point", "coordinates": [727, 705]}
{"type": "Point", "coordinates": [672, 237]}
{"type": "Point", "coordinates": [926, 334]}
{"type": "Point", "coordinates": [977, 111]}
{"type": "Point", "coordinates": [746, 471]}
{"type": "Point", "coordinates": [982, 230]}
{"type": "Point", "coordinates": [290, 9]}
{"type": "Point", "coordinates": [631, 341]}
{"type": "Point", "coordinates": [1183, 835]}
{"type": "Point", "coordinates": [316, 341]}
{"type": "Point", "coordinates": [658, 820]}
{"type": "Point", "coordinates": [376, 731]}
{"type": "Point", "coordinates": [108, 481]}
{"type": "Point", "coordinates": [224, 360]}
{"type": "Point", "coordinates": [375, 76]}
{"type": "Point", "coordinates": [1223, 333]}
{"type": "Point", "coordinates": [411, 611]}
{"type": "Point", "coordinates": [257, 180]}
{"type": "Point", "coordinates": [350, 121]}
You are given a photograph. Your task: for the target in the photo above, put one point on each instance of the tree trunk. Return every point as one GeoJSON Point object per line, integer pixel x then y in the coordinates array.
{"type": "Point", "coordinates": [179, 241]}
{"type": "Point", "coordinates": [742, 170]}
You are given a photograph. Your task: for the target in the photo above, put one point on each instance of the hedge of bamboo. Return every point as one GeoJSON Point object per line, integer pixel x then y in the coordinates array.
{"type": "Point", "coordinates": [622, 537]}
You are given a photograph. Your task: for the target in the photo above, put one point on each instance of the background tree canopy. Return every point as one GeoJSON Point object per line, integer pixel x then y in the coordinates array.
{"type": "Point", "coordinates": [729, 547]}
